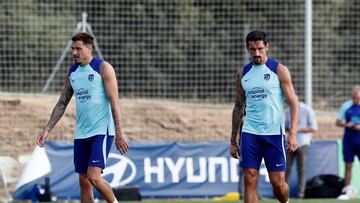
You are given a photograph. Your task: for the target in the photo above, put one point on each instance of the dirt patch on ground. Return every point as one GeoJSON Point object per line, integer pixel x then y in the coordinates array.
{"type": "Point", "coordinates": [23, 117]}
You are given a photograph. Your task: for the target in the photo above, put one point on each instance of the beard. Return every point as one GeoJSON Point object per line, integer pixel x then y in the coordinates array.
{"type": "Point", "coordinates": [257, 60]}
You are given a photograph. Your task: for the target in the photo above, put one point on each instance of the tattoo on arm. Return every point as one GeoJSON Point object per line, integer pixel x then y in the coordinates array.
{"type": "Point", "coordinates": [237, 116]}
{"type": "Point", "coordinates": [238, 111]}
{"type": "Point", "coordinates": [61, 105]}
{"type": "Point", "coordinates": [117, 119]}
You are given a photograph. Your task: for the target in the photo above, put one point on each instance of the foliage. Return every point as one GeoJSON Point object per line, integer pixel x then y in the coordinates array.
{"type": "Point", "coordinates": [187, 49]}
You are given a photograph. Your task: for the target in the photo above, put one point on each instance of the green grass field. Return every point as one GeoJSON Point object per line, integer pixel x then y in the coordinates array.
{"type": "Point", "coordinates": [261, 201]}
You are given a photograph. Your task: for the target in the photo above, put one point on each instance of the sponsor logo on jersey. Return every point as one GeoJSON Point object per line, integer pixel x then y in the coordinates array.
{"type": "Point", "coordinates": [91, 77]}
{"type": "Point", "coordinates": [82, 95]}
{"type": "Point", "coordinates": [267, 76]}
{"type": "Point", "coordinates": [257, 93]}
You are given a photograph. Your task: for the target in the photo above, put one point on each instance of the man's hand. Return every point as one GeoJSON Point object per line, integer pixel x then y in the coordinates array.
{"type": "Point", "coordinates": [357, 127]}
{"type": "Point", "coordinates": [352, 126]}
{"type": "Point", "coordinates": [40, 141]}
{"type": "Point", "coordinates": [291, 143]}
{"type": "Point", "coordinates": [235, 151]}
{"type": "Point", "coordinates": [349, 125]}
{"type": "Point", "coordinates": [121, 143]}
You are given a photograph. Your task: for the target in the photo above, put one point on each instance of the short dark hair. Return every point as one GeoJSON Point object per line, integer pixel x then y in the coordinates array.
{"type": "Point", "coordinates": [256, 36]}
{"type": "Point", "coordinates": [85, 37]}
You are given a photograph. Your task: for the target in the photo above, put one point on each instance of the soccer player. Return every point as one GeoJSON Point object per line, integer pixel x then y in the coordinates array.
{"type": "Point", "coordinates": [93, 83]}
{"type": "Point", "coordinates": [349, 118]}
{"type": "Point", "coordinates": [261, 87]}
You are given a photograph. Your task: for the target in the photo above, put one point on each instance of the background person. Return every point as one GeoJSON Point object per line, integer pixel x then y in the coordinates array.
{"type": "Point", "coordinates": [307, 124]}
{"type": "Point", "coordinates": [349, 118]}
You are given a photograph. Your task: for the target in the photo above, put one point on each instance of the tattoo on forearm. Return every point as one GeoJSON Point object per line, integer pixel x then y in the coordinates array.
{"type": "Point", "coordinates": [60, 107]}
{"type": "Point", "coordinates": [238, 113]}
{"type": "Point", "coordinates": [117, 119]}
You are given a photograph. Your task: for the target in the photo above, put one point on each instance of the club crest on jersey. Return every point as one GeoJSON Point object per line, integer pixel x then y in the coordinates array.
{"type": "Point", "coordinates": [267, 76]}
{"type": "Point", "coordinates": [91, 77]}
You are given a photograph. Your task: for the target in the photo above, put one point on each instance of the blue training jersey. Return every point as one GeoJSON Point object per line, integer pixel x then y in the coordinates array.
{"type": "Point", "coordinates": [264, 99]}
{"type": "Point", "coordinates": [353, 115]}
{"type": "Point", "coordinates": [344, 107]}
{"type": "Point", "coordinates": [93, 111]}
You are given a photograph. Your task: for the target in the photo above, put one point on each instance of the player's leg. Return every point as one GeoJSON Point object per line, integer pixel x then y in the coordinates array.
{"type": "Point", "coordinates": [348, 155]}
{"type": "Point", "coordinates": [347, 179]}
{"type": "Point", "coordinates": [94, 176]}
{"type": "Point", "coordinates": [275, 161]}
{"type": "Point", "coordinates": [280, 187]}
{"type": "Point", "coordinates": [251, 177]}
{"type": "Point", "coordinates": [101, 145]}
{"type": "Point", "coordinates": [251, 156]}
{"type": "Point", "coordinates": [301, 168]}
{"type": "Point", "coordinates": [86, 189]}
{"type": "Point", "coordinates": [82, 151]}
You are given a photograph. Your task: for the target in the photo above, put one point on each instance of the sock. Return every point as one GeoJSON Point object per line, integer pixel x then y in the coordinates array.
{"type": "Point", "coordinates": [115, 201]}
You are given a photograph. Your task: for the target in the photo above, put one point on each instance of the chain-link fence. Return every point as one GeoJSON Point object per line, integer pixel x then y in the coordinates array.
{"type": "Point", "coordinates": [183, 50]}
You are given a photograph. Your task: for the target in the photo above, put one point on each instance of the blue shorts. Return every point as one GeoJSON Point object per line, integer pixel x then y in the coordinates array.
{"type": "Point", "coordinates": [350, 150]}
{"type": "Point", "coordinates": [92, 151]}
{"type": "Point", "coordinates": [255, 147]}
